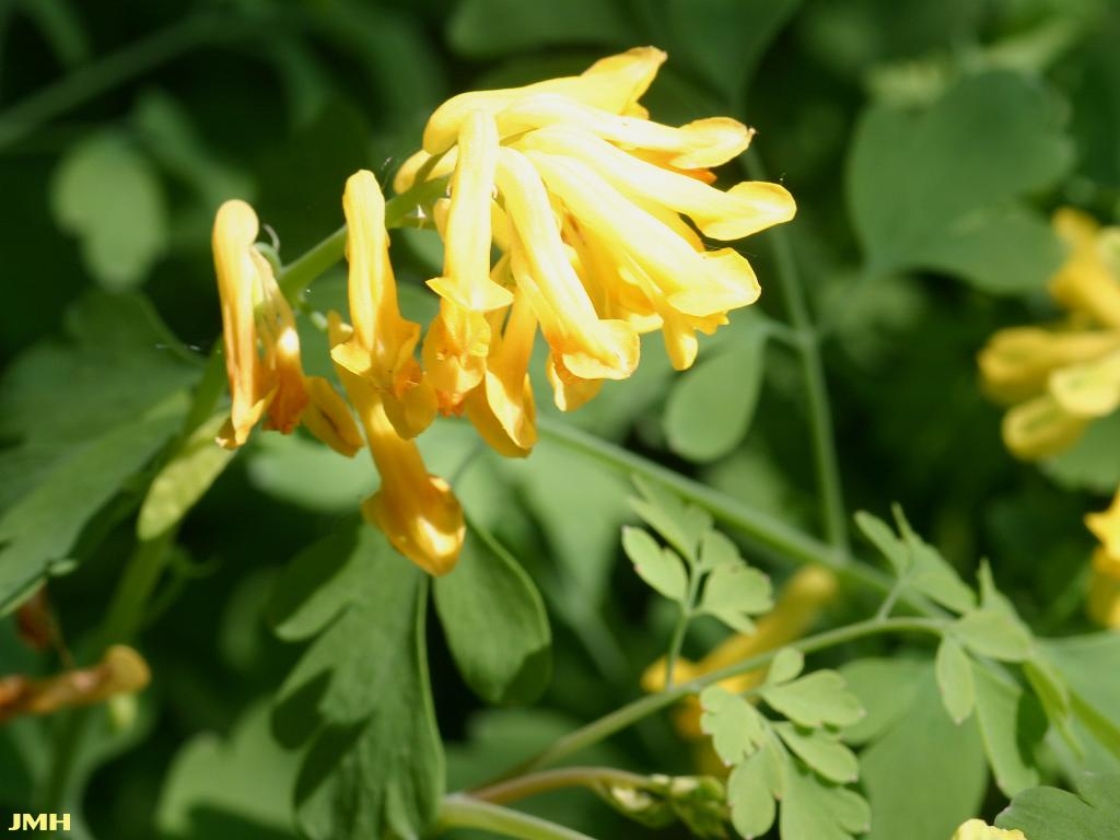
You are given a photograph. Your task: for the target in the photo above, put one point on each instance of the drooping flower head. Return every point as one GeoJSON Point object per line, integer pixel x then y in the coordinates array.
{"type": "Point", "coordinates": [266, 377]}
{"type": "Point", "coordinates": [597, 215]}
{"type": "Point", "coordinates": [1058, 379]}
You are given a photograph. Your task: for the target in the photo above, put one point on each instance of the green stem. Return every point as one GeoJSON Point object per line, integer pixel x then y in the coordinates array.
{"type": "Point", "coordinates": [833, 514]}
{"type": "Point", "coordinates": [764, 529]}
{"type": "Point", "coordinates": [545, 781]}
{"type": "Point", "coordinates": [458, 811]}
{"type": "Point", "coordinates": [400, 211]}
{"type": "Point", "coordinates": [685, 616]}
{"type": "Point", "coordinates": [89, 81]}
{"type": "Point", "coordinates": [629, 714]}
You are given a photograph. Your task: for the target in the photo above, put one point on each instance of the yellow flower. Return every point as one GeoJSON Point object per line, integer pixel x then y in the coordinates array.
{"type": "Point", "coordinates": [798, 607]}
{"type": "Point", "coordinates": [262, 346]}
{"type": "Point", "coordinates": [1057, 380]}
{"type": "Point", "coordinates": [417, 512]}
{"type": "Point", "coordinates": [381, 347]}
{"type": "Point", "coordinates": [586, 200]}
{"type": "Point", "coordinates": [980, 830]}
{"type": "Point", "coordinates": [1104, 583]}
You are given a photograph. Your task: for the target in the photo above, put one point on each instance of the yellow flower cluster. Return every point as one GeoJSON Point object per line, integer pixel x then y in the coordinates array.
{"type": "Point", "coordinates": [1058, 379]}
{"type": "Point", "coordinates": [980, 830]}
{"type": "Point", "coordinates": [1104, 585]}
{"type": "Point", "coordinates": [565, 209]}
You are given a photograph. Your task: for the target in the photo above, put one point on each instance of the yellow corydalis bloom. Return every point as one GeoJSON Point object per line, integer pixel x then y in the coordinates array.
{"type": "Point", "coordinates": [262, 346]}
{"type": "Point", "coordinates": [980, 830]}
{"type": "Point", "coordinates": [599, 212]}
{"type": "Point", "coordinates": [798, 607]}
{"type": "Point", "coordinates": [1059, 379]}
{"type": "Point", "coordinates": [380, 350]}
{"type": "Point", "coordinates": [417, 512]}
{"type": "Point", "coordinates": [1104, 584]}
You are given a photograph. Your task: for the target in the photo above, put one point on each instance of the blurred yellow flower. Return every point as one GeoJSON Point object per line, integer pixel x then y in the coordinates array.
{"type": "Point", "coordinates": [798, 607]}
{"type": "Point", "coordinates": [586, 201]}
{"type": "Point", "coordinates": [1059, 379]}
{"type": "Point", "coordinates": [262, 346]}
{"type": "Point", "coordinates": [1104, 584]}
{"type": "Point", "coordinates": [980, 830]}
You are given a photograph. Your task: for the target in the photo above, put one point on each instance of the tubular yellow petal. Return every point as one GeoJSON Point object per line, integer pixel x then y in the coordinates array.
{"type": "Point", "coordinates": [1103, 604]}
{"type": "Point", "coordinates": [235, 231]}
{"type": "Point", "coordinates": [382, 345]}
{"type": "Point", "coordinates": [590, 348]}
{"type": "Point", "coordinates": [424, 167]}
{"type": "Point", "coordinates": [693, 282]}
{"type": "Point", "coordinates": [1106, 527]}
{"type": "Point", "coordinates": [502, 406]}
{"type": "Point", "coordinates": [569, 392]}
{"type": "Point", "coordinates": [980, 830]}
{"type": "Point", "coordinates": [416, 511]}
{"type": "Point", "coordinates": [328, 417]}
{"type": "Point", "coordinates": [1040, 428]}
{"type": "Point", "coordinates": [454, 353]}
{"type": "Point", "coordinates": [613, 84]}
{"type": "Point", "coordinates": [1086, 282]}
{"type": "Point", "coordinates": [1017, 362]}
{"type": "Point", "coordinates": [466, 272]}
{"type": "Point", "coordinates": [695, 145]}
{"type": "Point", "coordinates": [745, 209]}
{"type": "Point", "coordinates": [1090, 389]}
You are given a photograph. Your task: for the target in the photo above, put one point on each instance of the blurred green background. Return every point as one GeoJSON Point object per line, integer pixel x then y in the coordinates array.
{"type": "Point", "coordinates": [926, 144]}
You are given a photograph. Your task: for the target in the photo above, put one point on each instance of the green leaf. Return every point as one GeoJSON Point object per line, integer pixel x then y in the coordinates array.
{"type": "Point", "coordinates": [880, 535]}
{"type": "Point", "coordinates": [817, 699]}
{"type": "Point", "coordinates": [751, 789]}
{"type": "Point", "coordinates": [1091, 463]}
{"type": "Point", "coordinates": [1011, 728]}
{"type": "Point", "coordinates": [811, 808]}
{"type": "Point", "coordinates": [661, 568]}
{"type": "Point", "coordinates": [1005, 250]}
{"type": "Point", "coordinates": [230, 789]}
{"type": "Point", "coordinates": [375, 763]}
{"type": "Point", "coordinates": [821, 751]}
{"type": "Point", "coordinates": [785, 666]}
{"type": "Point", "coordinates": [723, 40]}
{"type": "Point", "coordinates": [174, 141]}
{"type": "Point", "coordinates": [301, 471]}
{"type": "Point", "coordinates": [922, 799]}
{"type": "Point", "coordinates": [736, 727]}
{"type": "Point", "coordinates": [1085, 664]}
{"type": "Point", "coordinates": [709, 408]}
{"type": "Point", "coordinates": [718, 549]}
{"type": "Point", "coordinates": [929, 572]}
{"type": "Point", "coordinates": [682, 525]}
{"type": "Point", "coordinates": [107, 194]}
{"type": "Point", "coordinates": [1051, 690]}
{"type": "Point", "coordinates": [495, 622]}
{"type": "Point", "coordinates": [731, 593]}
{"type": "Point", "coordinates": [38, 533]}
{"type": "Point", "coordinates": [954, 679]}
{"type": "Point", "coordinates": [920, 184]}
{"type": "Point", "coordinates": [183, 480]}
{"type": "Point", "coordinates": [1046, 813]}
{"type": "Point", "coordinates": [487, 28]}
{"type": "Point", "coordinates": [562, 487]}
{"type": "Point", "coordinates": [992, 632]}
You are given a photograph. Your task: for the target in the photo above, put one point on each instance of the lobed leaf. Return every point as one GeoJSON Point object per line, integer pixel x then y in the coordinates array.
{"type": "Point", "coordinates": [954, 679]}
{"type": "Point", "coordinates": [735, 726]}
{"type": "Point", "coordinates": [661, 568]}
{"type": "Point", "coordinates": [817, 699]}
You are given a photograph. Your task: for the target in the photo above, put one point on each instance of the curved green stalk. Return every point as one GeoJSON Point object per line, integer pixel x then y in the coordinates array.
{"type": "Point", "coordinates": [104, 74]}
{"type": "Point", "coordinates": [833, 514]}
{"type": "Point", "coordinates": [545, 781]}
{"type": "Point", "coordinates": [458, 811]}
{"type": "Point", "coordinates": [629, 714]}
